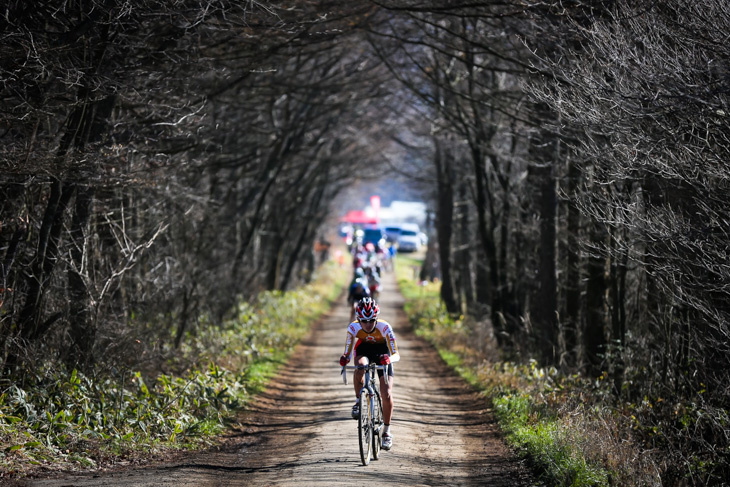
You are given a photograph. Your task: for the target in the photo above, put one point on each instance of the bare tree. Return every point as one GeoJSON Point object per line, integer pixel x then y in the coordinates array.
{"type": "Point", "coordinates": [643, 97]}
{"type": "Point", "coordinates": [180, 129]}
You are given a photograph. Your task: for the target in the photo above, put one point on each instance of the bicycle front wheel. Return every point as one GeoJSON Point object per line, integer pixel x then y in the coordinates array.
{"type": "Point", "coordinates": [364, 428]}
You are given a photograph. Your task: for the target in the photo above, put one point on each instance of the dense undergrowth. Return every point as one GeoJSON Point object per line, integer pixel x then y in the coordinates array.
{"type": "Point", "coordinates": [566, 426]}
{"type": "Point", "coordinates": [53, 418]}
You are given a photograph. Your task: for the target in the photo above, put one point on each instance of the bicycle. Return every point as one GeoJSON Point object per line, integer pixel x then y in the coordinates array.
{"type": "Point", "coordinates": [370, 424]}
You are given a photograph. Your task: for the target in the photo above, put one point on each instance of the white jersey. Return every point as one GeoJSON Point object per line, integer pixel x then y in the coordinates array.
{"type": "Point", "coordinates": [381, 334]}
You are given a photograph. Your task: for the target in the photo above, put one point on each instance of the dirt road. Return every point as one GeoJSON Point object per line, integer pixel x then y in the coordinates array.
{"type": "Point", "coordinates": [299, 433]}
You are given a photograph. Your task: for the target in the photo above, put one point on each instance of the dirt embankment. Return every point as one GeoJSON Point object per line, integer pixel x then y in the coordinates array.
{"type": "Point", "coordinates": [299, 432]}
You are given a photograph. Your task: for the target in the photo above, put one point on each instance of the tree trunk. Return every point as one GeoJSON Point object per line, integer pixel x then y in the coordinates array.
{"type": "Point", "coordinates": [274, 256]}
{"type": "Point", "coordinates": [184, 319]}
{"type": "Point", "coordinates": [45, 260]}
{"type": "Point", "coordinates": [486, 235]}
{"type": "Point", "coordinates": [81, 329]}
{"type": "Point", "coordinates": [481, 282]}
{"type": "Point", "coordinates": [444, 221]}
{"type": "Point", "coordinates": [466, 287]}
{"type": "Point", "coordinates": [594, 337]}
{"type": "Point", "coordinates": [618, 312]}
{"type": "Point", "coordinates": [572, 283]}
{"type": "Point", "coordinates": [545, 304]}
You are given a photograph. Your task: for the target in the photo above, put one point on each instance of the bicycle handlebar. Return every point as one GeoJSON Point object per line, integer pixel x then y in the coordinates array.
{"type": "Point", "coordinates": [384, 368]}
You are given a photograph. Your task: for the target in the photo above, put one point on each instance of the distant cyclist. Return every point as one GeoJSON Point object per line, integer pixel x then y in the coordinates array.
{"type": "Point", "coordinates": [373, 341]}
{"type": "Point", "coordinates": [373, 276]}
{"type": "Point", "coordinates": [359, 288]}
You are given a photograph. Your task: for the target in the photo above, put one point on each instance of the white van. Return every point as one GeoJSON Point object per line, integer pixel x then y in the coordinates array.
{"type": "Point", "coordinates": [409, 239]}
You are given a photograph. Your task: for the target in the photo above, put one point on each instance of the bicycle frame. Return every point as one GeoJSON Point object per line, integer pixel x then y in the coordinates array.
{"type": "Point", "coordinates": [370, 384]}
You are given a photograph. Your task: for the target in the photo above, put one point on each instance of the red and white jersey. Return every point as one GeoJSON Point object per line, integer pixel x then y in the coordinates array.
{"type": "Point", "coordinates": [382, 333]}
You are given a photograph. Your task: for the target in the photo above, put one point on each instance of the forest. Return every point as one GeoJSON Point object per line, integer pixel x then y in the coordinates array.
{"type": "Point", "coordinates": [160, 161]}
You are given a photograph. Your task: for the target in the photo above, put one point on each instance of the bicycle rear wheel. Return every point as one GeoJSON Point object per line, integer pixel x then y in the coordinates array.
{"type": "Point", "coordinates": [364, 428]}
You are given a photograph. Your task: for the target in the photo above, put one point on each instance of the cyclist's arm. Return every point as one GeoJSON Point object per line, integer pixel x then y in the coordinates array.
{"type": "Point", "coordinates": [392, 345]}
{"type": "Point", "coordinates": [349, 343]}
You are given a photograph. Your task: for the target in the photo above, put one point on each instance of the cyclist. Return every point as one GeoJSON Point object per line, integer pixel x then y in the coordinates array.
{"type": "Point", "coordinates": [359, 288]}
{"type": "Point", "coordinates": [373, 276]}
{"type": "Point", "coordinates": [373, 341]}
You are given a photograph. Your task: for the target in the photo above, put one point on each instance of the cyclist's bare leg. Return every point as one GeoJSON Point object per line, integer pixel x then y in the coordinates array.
{"type": "Point", "coordinates": [386, 391]}
{"type": "Point", "coordinates": [358, 378]}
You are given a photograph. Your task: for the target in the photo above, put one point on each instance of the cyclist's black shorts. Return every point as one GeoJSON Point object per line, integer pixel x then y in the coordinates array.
{"type": "Point", "coordinates": [371, 351]}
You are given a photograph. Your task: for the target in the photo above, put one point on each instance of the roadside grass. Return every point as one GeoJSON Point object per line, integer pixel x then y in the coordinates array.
{"type": "Point", "coordinates": [557, 423]}
{"type": "Point", "coordinates": [56, 419]}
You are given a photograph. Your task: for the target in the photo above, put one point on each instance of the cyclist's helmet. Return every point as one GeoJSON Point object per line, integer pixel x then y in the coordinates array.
{"type": "Point", "coordinates": [367, 309]}
{"type": "Point", "coordinates": [359, 272]}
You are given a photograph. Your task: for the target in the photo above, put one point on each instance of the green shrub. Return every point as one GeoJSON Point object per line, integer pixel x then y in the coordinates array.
{"type": "Point", "coordinates": [66, 418]}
